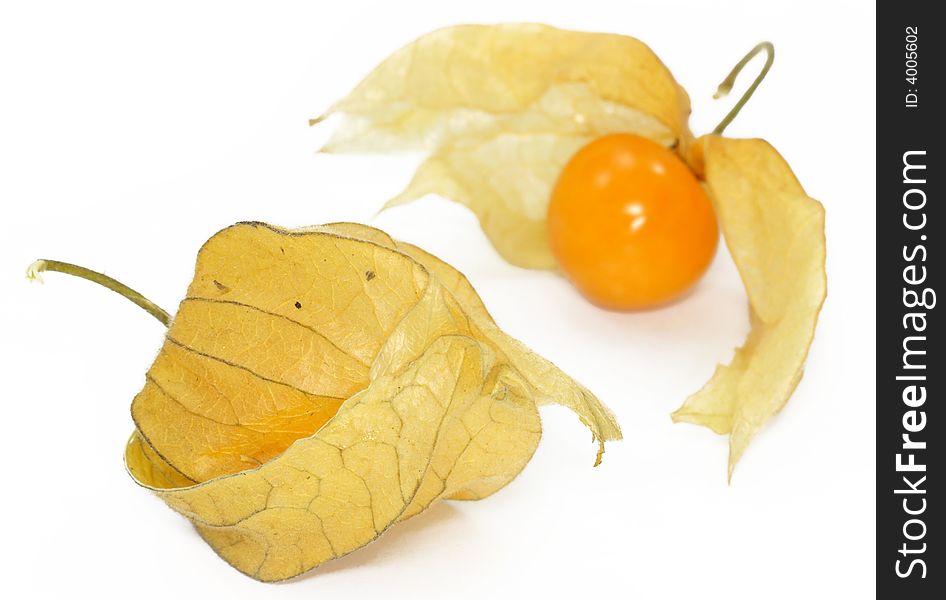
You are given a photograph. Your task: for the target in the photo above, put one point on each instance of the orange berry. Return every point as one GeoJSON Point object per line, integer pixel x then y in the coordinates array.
{"type": "Point", "coordinates": [629, 223]}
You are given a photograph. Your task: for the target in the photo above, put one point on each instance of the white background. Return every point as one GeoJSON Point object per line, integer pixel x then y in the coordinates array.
{"type": "Point", "coordinates": [129, 135]}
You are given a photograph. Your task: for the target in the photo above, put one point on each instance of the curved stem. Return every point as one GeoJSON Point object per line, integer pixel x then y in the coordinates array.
{"type": "Point", "coordinates": [34, 270]}
{"type": "Point", "coordinates": [726, 86]}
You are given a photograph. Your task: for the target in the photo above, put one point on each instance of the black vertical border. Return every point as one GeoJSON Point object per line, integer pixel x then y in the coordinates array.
{"type": "Point", "coordinates": [901, 129]}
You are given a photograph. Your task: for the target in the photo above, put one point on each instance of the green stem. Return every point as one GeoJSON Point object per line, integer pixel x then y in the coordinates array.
{"type": "Point", "coordinates": [726, 86]}
{"type": "Point", "coordinates": [34, 270]}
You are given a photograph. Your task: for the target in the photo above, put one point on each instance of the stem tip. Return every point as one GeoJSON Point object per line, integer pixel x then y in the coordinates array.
{"type": "Point", "coordinates": [33, 271]}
